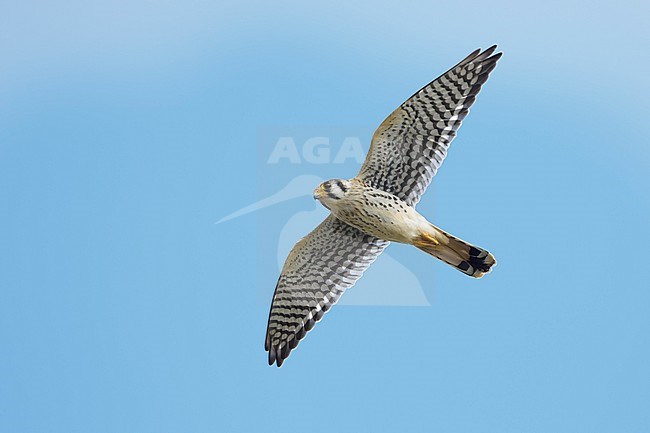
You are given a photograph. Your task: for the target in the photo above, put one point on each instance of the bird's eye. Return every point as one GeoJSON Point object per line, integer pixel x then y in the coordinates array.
{"type": "Point", "coordinates": [327, 185]}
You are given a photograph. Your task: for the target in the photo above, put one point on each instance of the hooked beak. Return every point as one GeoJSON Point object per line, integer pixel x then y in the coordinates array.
{"type": "Point", "coordinates": [318, 192]}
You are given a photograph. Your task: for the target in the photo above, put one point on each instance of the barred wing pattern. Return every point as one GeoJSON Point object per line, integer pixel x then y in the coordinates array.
{"type": "Point", "coordinates": [409, 146]}
{"type": "Point", "coordinates": [317, 271]}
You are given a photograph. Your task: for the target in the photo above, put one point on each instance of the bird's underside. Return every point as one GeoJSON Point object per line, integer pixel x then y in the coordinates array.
{"type": "Point", "coordinates": [385, 216]}
{"type": "Point", "coordinates": [377, 206]}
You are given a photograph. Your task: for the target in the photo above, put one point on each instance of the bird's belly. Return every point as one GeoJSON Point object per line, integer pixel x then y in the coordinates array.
{"type": "Point", "coordinates": [401, 225]}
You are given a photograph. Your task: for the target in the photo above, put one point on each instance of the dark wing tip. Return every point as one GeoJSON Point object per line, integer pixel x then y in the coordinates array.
{"type": "Point", "coordinates": [485, 54]}
{"type": "Point", "coordinates": [486, 61]}
{"type": "Point", "coordinates": [493, 59]}
{"type": "Point", "coordinates": [277, 354]}
{"type": "Point", "coordinates": [491, 49]}
{"type": "Point", "coordinates": [471, 56]}
{"type": "Point", "coordinates": [478, 55]}
{"type": "Point", "coordinates": [497, 56]}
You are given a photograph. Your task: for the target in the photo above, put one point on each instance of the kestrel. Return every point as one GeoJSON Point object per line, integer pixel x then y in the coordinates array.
{"type": "Point", "coordinates": [377, 207]}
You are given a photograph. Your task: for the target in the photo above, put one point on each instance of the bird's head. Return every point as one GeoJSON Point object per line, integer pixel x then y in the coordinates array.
{"type": "Point", "coordinates": [329, 192]}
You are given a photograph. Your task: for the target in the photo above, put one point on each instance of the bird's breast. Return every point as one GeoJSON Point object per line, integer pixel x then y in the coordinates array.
{"type": "Point", "coordinates": [380, 214]}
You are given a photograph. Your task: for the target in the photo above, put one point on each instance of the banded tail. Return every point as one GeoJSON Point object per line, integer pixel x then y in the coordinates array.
{"type": "Point", "coordinates": [468, 259]}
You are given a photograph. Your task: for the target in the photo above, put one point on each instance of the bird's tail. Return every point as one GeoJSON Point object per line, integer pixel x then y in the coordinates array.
{"type": "Point", "coordinates": [468, 259]}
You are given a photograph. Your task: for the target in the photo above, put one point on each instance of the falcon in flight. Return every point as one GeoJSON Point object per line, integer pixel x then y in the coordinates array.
{"type": "Point", "coordinates": [377, 207]}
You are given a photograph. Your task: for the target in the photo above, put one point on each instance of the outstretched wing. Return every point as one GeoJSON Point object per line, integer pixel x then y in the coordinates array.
{"type": "Point", "coordinates": [409, 146]}
{"type": "Point", "coordinates": [317, 271]}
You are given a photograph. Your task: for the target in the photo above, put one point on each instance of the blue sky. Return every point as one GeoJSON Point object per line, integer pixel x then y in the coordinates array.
{"type": "Point", "coordinates": [128, 128]}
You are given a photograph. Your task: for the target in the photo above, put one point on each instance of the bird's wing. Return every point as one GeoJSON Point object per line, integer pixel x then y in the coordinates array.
{"type": "Point", "coordinates": [317, 271]}
{"type": "Point", "coordinates": [409, 146]}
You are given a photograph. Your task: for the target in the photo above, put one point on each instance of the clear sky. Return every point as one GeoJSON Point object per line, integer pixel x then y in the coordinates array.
{"type": "Point", "coordinates": [128, 128]}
